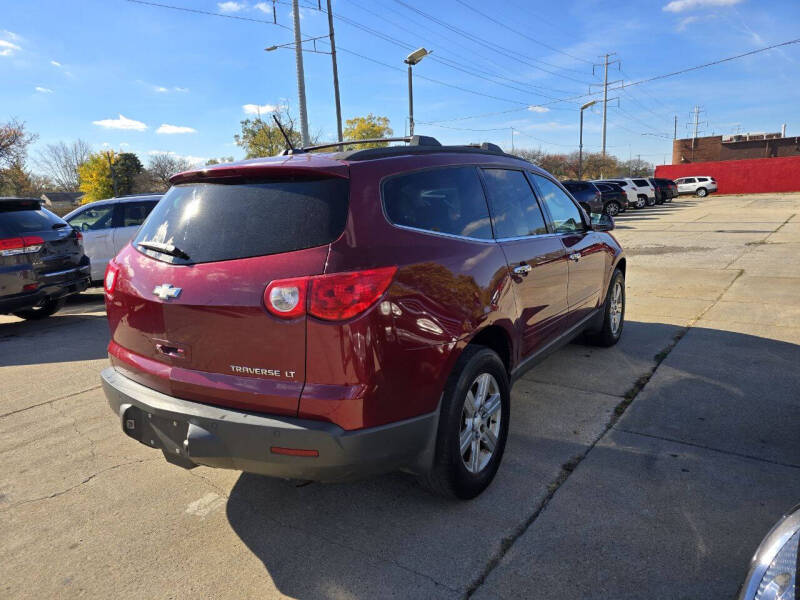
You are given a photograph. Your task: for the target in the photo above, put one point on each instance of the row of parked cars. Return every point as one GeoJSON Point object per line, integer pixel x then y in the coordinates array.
{"type": "Point", "coordinates": [614, 196]}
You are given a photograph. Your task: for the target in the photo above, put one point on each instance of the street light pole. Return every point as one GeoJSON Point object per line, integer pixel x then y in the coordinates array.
{"type": "Point", "coordinates": [411, 60]}
{"type": "Point", "coordinates": [335, 75]}
{"type": "Point", "coordinates": [580, 143]}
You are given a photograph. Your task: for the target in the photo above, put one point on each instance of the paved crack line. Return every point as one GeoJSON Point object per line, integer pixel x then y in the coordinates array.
{"type": "Point", "coordinates": [46, 402]}
{"type": "Point", "coordinates": [709, 448]}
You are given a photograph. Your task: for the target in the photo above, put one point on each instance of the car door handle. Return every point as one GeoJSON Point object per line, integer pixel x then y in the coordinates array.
{"type": "Point", "coordinates": [576, 256]}
{"type": "Point", "coordinates": [522, 269]}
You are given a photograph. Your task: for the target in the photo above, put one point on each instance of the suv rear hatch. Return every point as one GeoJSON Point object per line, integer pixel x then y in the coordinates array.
{"type": "Point", "coordinates": [187, 309]}
{"type": "Point", "coordinates": [37, 248]}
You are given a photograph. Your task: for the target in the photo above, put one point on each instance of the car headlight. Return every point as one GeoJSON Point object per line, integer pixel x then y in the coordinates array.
{"type": "Point", "coordinates": [773, 570]}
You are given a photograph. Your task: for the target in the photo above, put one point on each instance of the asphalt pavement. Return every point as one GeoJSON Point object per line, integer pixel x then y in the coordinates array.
{"type": "Point", "coordinates": [652, 469]}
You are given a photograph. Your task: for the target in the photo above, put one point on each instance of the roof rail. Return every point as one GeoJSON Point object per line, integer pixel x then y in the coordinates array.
{"type": "Point", "coordinates": [413, 140]}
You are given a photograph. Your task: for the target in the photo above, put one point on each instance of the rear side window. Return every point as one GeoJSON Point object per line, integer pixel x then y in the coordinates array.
{"type": "Point", "coordinates": [16, 222]}
{"type": "Point", "coordinates": [214, 221]}
{"type": "Point", "coordinates": [689, 180]}
{"type": "Point", "coordinates": [515, 211]}
{"type": "Point", "coordinates": [566, 216]}
{"type": "Point", "coordinates": [94, 218]}
{"type": "Point", "coordinates": [641, 183]}
{"type": "Point", "coordinates": [134, 213]}
{"type": "Point", "coordinates": [446, 200]}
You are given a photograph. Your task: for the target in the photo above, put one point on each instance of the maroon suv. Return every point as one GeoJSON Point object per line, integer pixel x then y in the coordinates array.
{"type": "Point", "coordinates": [325, 316]}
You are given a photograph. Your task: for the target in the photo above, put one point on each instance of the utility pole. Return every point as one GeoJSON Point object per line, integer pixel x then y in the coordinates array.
{"type": "Point", "coordinates": [696, 122]}
{"type": "Point", "coordinates": [675, 133]}
{"type": "Point", "coordinates": [335, 75]}
{"type": "Point", "coordinates": [301, 83]}
{"type": "Point", "coordinates": [113, 175]}
{"type": "Point", "coordinates": [512, 140]}
{"type": "Point", "coordinates": [605, 64]}
{"type": "Point", "coordinates": [410, 103]}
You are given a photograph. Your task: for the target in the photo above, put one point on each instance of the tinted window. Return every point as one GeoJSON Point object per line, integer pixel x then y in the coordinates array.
{"type": "Point", "coordinates": [566, 216]}
{"type": "Point", "coordinates": [213, 221]}
{"type": "Point", "coordinates": [577, 187]}
{"type": "Point", "coordinates": [702, 179]}
{"type": "Point", "coordinates": [689, 180]}
{"type": "Point", "coordinates": [441, 200]}
{"type": "Point", "coordinates": [16, 222]}
{"type": "Point", "coordinates": [134, 213]}
{"type": "Point", "coordinates": [515, 211]}
{"type": "Point", "coordinates": [94, 218]}
{"type": "Point", "coordinates": [641, 182]}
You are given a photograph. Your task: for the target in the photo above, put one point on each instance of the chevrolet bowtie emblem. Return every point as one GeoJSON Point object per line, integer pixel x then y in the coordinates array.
{"type": "Point", "coordinates": [166, 291]}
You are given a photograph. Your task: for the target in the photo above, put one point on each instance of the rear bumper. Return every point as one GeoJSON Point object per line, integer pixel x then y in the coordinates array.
{"type": "Point", "coordinates": [70, 281]}
{"type": "Point", "coordinates": [192, 434]}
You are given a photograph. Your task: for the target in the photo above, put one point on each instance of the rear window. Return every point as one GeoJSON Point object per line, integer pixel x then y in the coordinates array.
{"type": "Point", "coordinates": [447, 200]}
{"type": "Point", "coordinates": [576, 187]}
{"type": "Point", "coordinates": [16, 222]}
{"type": "Point", "coordinates": [224, 221]}
{"type": "Point", "coordinates": [641, 182]}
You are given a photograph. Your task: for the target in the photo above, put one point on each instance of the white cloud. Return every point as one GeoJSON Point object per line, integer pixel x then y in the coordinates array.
{"type": "Point", "coordinates": [170, 129]}
{"type": "Point", "coordinates": [264, 7]}
{"type": "Point", "coordinates": [121, 123]}
{"type": "Point", "coordinates": [231, 6]}
{"type": "Point", "coordinates": [259, 109]}
{"type": "Point", "coordinates": [538, 109]}
{"type": "Point", "coordinates": [684, 23]}
{"type": "Point", "coordinates": [43, 90]}
{"type": "Point", "coordinates": [160, 89]}
{"type": "Point", "coordinates": [677, 6]}
{"type": "Point", "coordinates": [55, 63]}
{"type": "Point", "coordinates": [7, 48]}
{"type": "Point", "coordinates": [11, 35]}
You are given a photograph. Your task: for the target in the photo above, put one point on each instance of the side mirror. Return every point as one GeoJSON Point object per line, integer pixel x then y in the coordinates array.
{"type": "Point", "coordinates": [601, 222]}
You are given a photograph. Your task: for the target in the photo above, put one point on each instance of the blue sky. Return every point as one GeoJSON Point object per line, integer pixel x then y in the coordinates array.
{"type": "Point", "coordinates": [144, 79]}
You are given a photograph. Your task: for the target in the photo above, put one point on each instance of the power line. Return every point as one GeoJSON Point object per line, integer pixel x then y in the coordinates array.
{"type": "Point", "coordinates": [490, 45]}
{"type": "Point", "coordinates": [526, 36]}
{"type": "Point", "coordinates": [209, 13]}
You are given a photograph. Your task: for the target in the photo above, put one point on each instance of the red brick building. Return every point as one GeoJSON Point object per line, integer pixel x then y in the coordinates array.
{"type": "Point", "coordinates": [741, 164]}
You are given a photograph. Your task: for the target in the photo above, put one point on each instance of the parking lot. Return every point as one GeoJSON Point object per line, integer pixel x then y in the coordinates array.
{"type": "Point", "coordinates": [651, 469]}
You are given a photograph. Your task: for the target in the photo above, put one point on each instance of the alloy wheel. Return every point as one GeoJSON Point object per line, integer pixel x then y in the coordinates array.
{"type": "Point", "coordinates": [616, 308]}
{"type": "Point", "coordinates": [480, 423]}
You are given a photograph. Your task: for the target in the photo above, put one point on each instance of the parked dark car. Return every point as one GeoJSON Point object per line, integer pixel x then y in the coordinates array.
{"type": "Point", "coordinates": [666, 189]}
{"type": "Point", "coordinates": [615, 200]}
{"type": "Point", "coordinates": [324, 316]}
{"type": "Point", "coordinates": [587, 195]}
{"type": "Point", "coordinates": [41, 259]}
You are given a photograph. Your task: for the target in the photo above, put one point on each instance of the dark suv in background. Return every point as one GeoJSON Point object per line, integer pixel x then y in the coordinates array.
{"type": "Point", "coordinates": [615, 199]}
{"type": "Point", "coordinates": [41, 259]}
{"type": "Point", "coordinates": [666, 189]}
{"type": "Point", "coordinates": [587, 195]}
{"type": "Point", "coordinates": [323, 316]}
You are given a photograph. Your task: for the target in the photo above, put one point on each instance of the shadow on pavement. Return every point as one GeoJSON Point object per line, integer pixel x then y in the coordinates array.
{"type": "Point", "coordinates": [727, 395]}
{"type": "Point", "coordinates": [59, 338]}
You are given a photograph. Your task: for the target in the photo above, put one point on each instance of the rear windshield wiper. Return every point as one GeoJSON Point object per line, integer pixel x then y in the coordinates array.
{"type": "Point", "coordinates": [164, 249]}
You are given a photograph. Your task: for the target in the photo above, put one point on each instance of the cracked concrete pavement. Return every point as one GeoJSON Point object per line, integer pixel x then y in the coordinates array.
{"type": "Point", "coordinates": [650, 469]}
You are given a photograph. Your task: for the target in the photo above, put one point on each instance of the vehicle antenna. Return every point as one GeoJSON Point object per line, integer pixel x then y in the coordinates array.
{"type": "Point", "coordinates": [283, 133]}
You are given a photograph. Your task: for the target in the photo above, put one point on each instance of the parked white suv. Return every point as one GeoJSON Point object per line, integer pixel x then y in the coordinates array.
{"type": "Point", "coordinates": [700, 185]}
{"type": "Point", "coordinates": [640, 192]}
{"type": "Point", "coordinates": [107, 225]}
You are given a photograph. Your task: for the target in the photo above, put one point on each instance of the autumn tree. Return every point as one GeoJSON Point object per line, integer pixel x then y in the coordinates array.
{"type": "Point", "coordinates": [16, 180]}
{"type": "Point", "coordinates": [260, 136]}
{"type": "Point", "coordinates": [219, 161]}
{"type": "Point", "coordinates": [367, 128]}
{"type": "Point", "coordinates": [60, 162]}
{"type": "Point", "coordinates": [94, 177]}
{"type": "Point", "coordinates": [14, 142]}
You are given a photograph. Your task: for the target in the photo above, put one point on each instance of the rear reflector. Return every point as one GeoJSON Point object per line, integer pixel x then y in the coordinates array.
{"type": "Point", "coordinates": [293, 451]}
{"type": "Point", "coordinates": [333, 297]}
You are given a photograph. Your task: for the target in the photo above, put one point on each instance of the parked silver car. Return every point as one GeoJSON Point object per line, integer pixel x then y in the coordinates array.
{"type": "Point", "coordinates": [701, 185]}
{"type": "Point", "coordinates": [107, 225]}
{"type": "Point", "coordinates": [640, 191]}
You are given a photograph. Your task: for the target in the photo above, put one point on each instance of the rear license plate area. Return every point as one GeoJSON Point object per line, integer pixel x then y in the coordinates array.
{"type": "Point", "coordinates": [155, 431]}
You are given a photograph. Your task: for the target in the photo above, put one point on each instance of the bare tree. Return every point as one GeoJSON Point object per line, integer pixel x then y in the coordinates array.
{"type": "Point", "coordinates": [60, 163]}
{"type": "Point", "coordinates": [14, 142]}
{"type": "Point", "coordinates": [162, 167]}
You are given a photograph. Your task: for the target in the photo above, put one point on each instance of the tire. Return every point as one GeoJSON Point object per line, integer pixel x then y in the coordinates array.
{"type": "Point", "coordinates": [701, 192]}
{"type": "Point", "coordinates": [650, 201]}
{"type": "Point", "coordinates": [464, 475]}
{"type": "Point", "coordinates": [612, 209]}
{"type": "Point", "coordinates": [641, 201]}
{"type": "Point", "coordinates": [47, 308]}
{"type": "Point", "coordinates": [614, 305]}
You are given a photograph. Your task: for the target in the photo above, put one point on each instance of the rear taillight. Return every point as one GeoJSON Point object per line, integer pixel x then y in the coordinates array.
{"type": "Point", "coordinates": [20, 245]}
{"type": "Point", "coordinates": [110, 280]}
{"type": "Point", "coordinates": [78, 236]}
{"type": "Point", "coordinates": [333, 297]}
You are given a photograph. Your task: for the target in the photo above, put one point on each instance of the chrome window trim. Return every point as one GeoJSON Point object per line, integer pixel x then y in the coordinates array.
{"type": "Point", "coordinates": [443, 234]}
{"type": "Point", "coordinates": [528, 237]}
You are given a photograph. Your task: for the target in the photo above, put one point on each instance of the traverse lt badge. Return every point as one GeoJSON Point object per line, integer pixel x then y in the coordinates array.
{"type": "Point", "coordinates": [165, 291]}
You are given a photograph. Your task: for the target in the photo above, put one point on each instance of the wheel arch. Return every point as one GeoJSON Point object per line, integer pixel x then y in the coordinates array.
{"type": "Point", "coordinates": [495, 338]}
